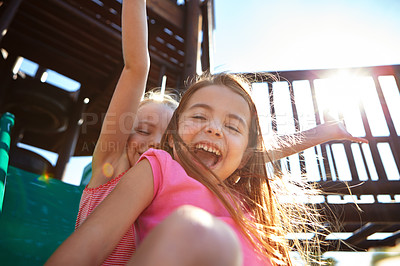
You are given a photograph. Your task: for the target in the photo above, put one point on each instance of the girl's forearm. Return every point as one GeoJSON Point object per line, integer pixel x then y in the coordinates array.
{"type": "Point", "coordinates": [291, 144]}
{"type": "Point", "coordinates": [135, 36]}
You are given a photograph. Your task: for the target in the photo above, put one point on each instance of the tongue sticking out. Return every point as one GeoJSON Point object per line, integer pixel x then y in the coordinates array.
{"type": "Point", "coordinates": [208, 158]}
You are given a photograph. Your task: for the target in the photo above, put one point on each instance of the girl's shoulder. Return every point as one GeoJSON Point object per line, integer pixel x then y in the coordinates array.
{"type": "Point", "coordinates": [156, 152]}
{"type": "Point", "coordinates": [162, 157]}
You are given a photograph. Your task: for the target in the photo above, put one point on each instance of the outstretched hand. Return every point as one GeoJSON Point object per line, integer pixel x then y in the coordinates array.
{"type": "Point", "coordinates": [338, 130]}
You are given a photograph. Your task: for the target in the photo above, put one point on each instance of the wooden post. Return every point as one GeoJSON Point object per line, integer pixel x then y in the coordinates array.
{"type": "Point", "coordinates": [191, 37]}
{"type": "Point", "coordinates": [207, 47]}
{"type": "Point", "coordinates": [68, 147]}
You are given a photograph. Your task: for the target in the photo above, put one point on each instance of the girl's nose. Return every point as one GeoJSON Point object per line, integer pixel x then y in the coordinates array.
{"type": "Point", "coordinates": [214, 130]}
{"type": "Point", "coordinates": [154, 142]}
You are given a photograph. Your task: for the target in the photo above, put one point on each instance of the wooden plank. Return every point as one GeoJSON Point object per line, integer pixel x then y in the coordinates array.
{"type": "Point", "coordinates": [96, 11]}
{"type": "Point", "coordinates": [96, 26]}
{"type": "Point", "coordinates": [360, 187]}
{"type": "Point", "coordinates": [80, 21]}
{"type": "Point", "coordinates": [169, 11]}
{"type": "Point", "coordinates": [326, 73]}
{"type": "Point", "coordinates": [65, 47]}
{"type": "Point", "coordinates": [172, 40]}
{"type": "Point", "coordinates": [70, 30]}
{"type": "Point", "coordinates": [163, 49]}
{"type": "Point", "coordinates": [52, 58]}
{"type": "Point", "coordinates": [114, 4]}
{"type": "Point", "coordinates": [362, 233]}
{"type": "Point", "coordinates": [389, 241]}
{"type": "Point", "coordinates": [73, 46]}
{"type": "Point", "coordinates": [375, 213]}
{"type": "Point", "coordinates": [157, 57]}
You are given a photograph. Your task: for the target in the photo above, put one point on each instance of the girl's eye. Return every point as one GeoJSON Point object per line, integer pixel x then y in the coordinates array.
{"type": "Point", "coordinates": [200, 117]}
{"type": "Point", "coordinates": [233, 128]}
{"type": "Point", "coordinates": [143, 132]}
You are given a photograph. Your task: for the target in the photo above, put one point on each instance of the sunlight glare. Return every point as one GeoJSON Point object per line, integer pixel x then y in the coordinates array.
{"type": "Point", "coordinates": [108, 170]}
{"type": "Point", "coordinates": [45, 178]}
{"type": "Point", "coordinates": [340, 96]}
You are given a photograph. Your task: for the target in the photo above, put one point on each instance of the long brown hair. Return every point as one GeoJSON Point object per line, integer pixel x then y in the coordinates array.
{"type": "Point", "coordinates": [249, 191]}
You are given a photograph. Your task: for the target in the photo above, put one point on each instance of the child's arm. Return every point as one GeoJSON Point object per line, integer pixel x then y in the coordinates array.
{"type": "Point", "coordinates": [291, 144]}
{"type": "Point", "coordinates": [100, 233]}
{"type": "Point", "coordinates": [118, 121]}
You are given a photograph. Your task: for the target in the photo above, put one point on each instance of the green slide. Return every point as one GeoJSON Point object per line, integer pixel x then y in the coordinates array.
{"type": "Point", "coordinates": [37, 213]}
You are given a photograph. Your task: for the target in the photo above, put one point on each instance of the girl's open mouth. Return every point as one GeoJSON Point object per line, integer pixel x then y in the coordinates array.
{"type": "Point", "coordinates": [207, 154]}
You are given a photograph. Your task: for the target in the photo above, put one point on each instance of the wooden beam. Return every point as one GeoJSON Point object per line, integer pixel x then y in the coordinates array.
{"type": "Point", "coordinates": [70, 30]}
{"type": "Point", "coordinates": [361, 234]}
{"type": "Point", "coordinates": [72, 135]}
{"type": "Point", "coordinates": [359, 187]}
{"type": "Point", "coordinates": [350, 213]}
{"type": "Point", "coordinates": [167, 10]}
{"type": "Point", "coordinates": [68, 46]}
{"type": "Point", "coordinates": [91, 8]}
{"type": "Point", "coordinates": [56, 60]}
{"type": "Point", "coordinates": [76, 13]}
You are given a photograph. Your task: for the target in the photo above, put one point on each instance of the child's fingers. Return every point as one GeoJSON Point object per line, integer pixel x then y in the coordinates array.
{"type": "Point", "coordinates": [360, 140]}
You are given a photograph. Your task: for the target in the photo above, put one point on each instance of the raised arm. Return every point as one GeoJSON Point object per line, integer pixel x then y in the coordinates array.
{"type": "Point", "coordinates": [130, 88]}
{"type": "Point", "coordinates": [100, 233]}
{"type": "Point", "coordinates": [291, 144]}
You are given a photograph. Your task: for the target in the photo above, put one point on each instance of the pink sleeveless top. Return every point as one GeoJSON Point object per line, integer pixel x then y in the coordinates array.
{"type": "Point", "coordinates": [174, 188]}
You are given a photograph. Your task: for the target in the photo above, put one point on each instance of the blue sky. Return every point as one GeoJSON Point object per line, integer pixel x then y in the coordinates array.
{"type": "Point", "coordinates": [265, 35]}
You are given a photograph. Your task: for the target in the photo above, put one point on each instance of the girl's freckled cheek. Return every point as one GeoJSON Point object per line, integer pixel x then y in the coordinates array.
{"type": "Point", "coordinates": [188, 128]}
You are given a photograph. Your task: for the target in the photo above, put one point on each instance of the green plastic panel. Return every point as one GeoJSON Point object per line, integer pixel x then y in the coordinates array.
{"type": "Point", "coordinates": [39, 213]}
{"type": "Point", "coordinates": [6, 124]}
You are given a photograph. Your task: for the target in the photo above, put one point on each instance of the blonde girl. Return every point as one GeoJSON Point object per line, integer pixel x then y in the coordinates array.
{"type": "Point", "coordinates": [129, 127]}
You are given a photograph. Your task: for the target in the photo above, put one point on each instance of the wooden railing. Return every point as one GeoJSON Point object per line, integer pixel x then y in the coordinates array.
{"type": "Point", "coordinates": [367, 100]}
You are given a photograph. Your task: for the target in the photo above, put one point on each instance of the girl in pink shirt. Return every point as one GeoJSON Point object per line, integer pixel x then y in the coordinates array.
{"type": "Point", "coordinates": [212, 169]}
{"type": "Point", "coordinates": [229, 183]}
